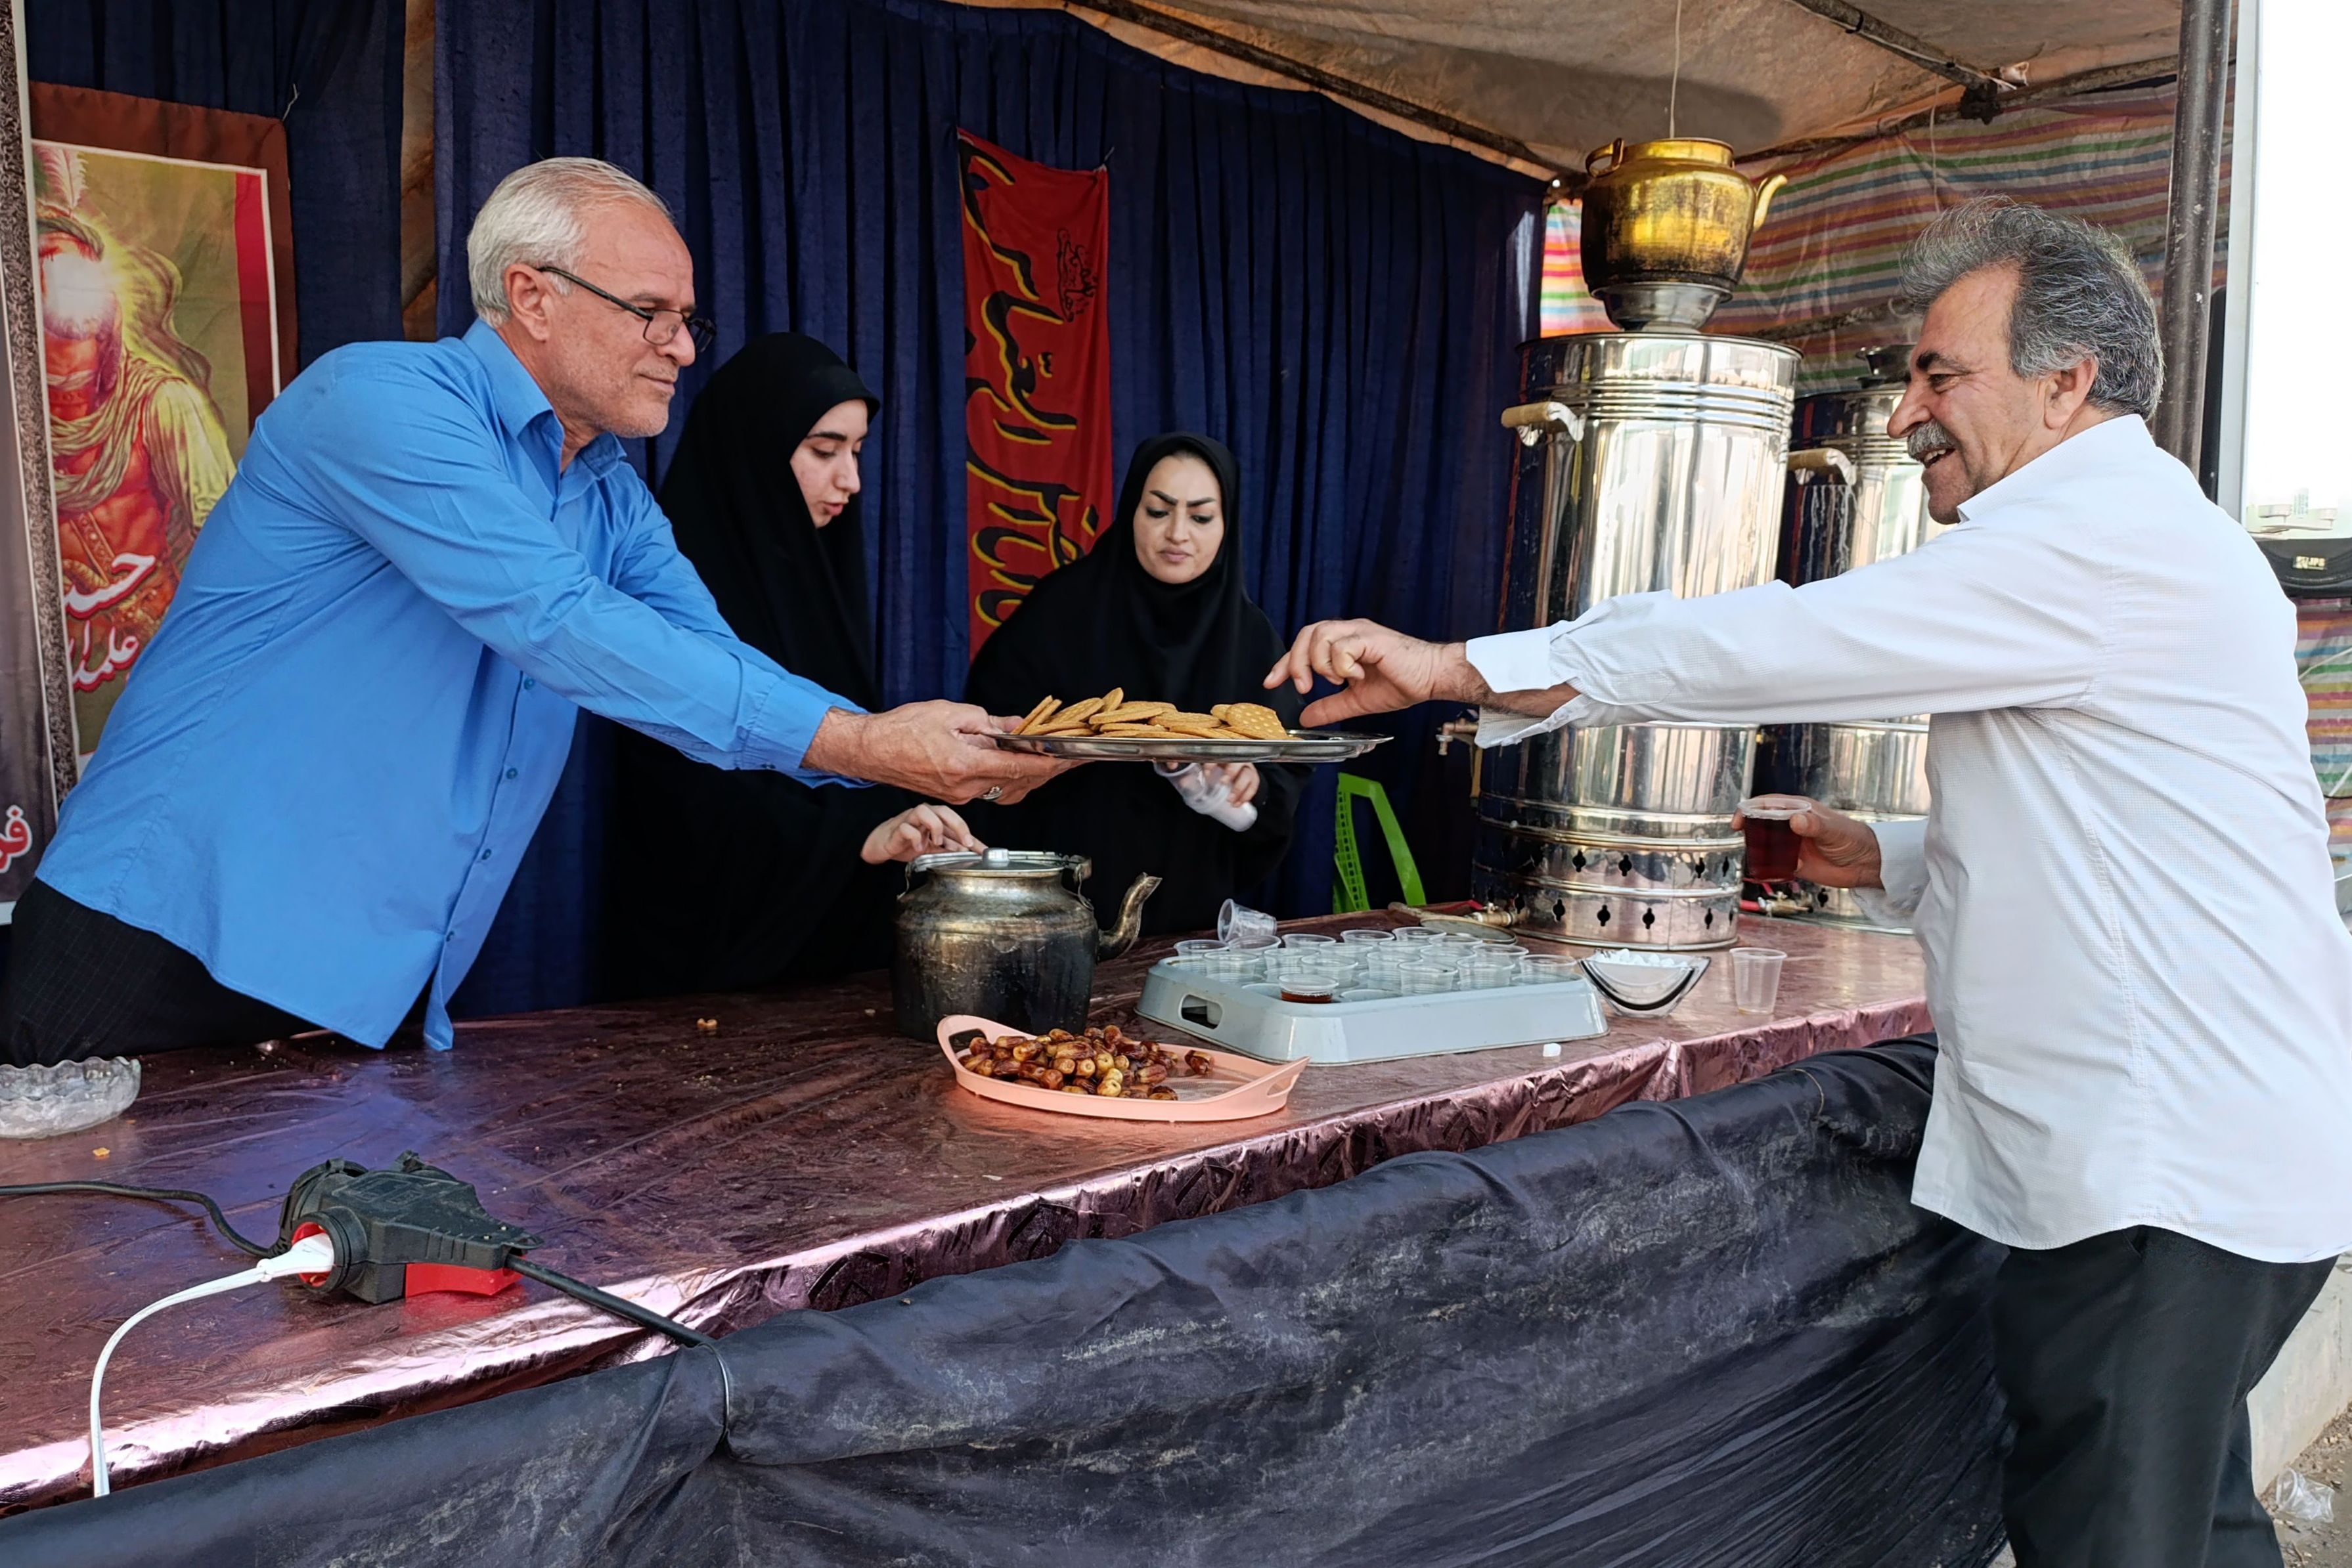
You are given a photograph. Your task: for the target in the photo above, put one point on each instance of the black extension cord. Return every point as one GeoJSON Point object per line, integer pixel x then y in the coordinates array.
{"type": "Point", "coordinates": [243, 1244]}
{"type": "Point", "coordinates": [579, 1290]}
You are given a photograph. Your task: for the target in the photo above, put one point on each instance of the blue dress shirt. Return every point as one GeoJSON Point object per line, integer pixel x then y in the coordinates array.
{"type": "Point", "coordinates": [328, 763]}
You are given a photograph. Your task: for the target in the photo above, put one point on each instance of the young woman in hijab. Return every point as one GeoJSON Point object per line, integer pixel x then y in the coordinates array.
{"type": "Point", "coordinates": [732, 880]}
{"type": "Point", "coordinates": [1156, 607]}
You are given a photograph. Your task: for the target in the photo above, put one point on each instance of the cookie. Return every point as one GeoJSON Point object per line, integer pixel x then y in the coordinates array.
{"type": "Point", "coordinates": [1133, 712]}
{"type": "Point", "coordinates": [1257, 723]}
{"type": "Point", "coordinates": [1191, 720]}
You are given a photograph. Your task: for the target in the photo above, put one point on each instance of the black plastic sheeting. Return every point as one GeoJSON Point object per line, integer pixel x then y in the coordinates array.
{"type": "Point", "coordinates": [1711, 1332]}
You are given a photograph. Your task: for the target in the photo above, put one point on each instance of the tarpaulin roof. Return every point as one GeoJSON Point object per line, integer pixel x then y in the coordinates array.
{"type": "Point", "coordinates": [1562, 77]}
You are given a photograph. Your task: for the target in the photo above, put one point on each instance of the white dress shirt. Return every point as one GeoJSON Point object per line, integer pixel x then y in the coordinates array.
{"type": "Point", "coordinates": [2142, 988]}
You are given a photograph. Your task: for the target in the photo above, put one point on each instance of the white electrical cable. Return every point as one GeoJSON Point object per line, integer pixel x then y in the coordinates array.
{"type": "Point", "coordinates": [312, 1255]}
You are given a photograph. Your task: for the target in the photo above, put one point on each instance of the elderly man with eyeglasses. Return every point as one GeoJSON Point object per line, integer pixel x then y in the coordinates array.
{"type": "Point", "coordinates": [311, 800]}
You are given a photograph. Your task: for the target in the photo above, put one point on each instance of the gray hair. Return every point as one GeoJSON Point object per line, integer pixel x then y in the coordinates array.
{"type": "Point", "coordinates": [2079, 294]}
{"type": "Point", "coordinates": [535, 218]}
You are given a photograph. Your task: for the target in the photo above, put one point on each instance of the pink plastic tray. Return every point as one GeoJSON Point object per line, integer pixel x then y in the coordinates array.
{"type": "Point", "coordinates": [1236, 1088]}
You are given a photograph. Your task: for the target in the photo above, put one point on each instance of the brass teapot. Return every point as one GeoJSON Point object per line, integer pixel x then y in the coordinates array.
{"type": "Point", "coordinates": [1667, 226]}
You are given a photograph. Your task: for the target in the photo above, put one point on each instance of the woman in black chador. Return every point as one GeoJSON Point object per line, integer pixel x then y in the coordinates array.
{"type": "Point", "coordinates": [732, 880]}
{"type": "Point", "coordinates": [1157, 609]}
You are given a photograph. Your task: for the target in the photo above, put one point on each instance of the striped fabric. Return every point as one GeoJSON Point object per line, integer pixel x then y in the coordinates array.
{"type": "Point", "coordinates": [1833, 243]}
{"type": "Point", "coordinates": [1833, 240]}
{"type": "Point", "coordinates": [1566, 307]}
{"type": "Point", "coordinates": [2323, 652]}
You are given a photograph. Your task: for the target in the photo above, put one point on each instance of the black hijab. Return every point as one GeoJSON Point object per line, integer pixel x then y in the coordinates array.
{"type": "Point", "coordinates": [792, 589]}
{"type": "Point", "coordinates": [1101, 621]}
{"type": "Point", "coordinates": [725, 881]}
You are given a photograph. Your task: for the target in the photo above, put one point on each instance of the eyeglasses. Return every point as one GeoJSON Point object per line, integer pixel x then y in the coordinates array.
{"type": "Point", "coordinates": [661, 326]}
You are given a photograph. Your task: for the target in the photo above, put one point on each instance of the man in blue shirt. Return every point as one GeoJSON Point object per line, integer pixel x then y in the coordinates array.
{"type": "Point", "coordinates": [311, 800]}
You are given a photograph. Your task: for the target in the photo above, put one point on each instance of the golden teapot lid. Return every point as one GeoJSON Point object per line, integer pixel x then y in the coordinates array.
{"type": "Point", "coordinates": [1666, 149]}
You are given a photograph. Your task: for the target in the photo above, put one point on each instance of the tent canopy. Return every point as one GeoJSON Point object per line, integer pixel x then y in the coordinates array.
{"type": "Point", "coordinates": [1559, 78]}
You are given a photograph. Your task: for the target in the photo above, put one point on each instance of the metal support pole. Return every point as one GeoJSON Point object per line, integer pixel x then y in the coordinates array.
{"type": "Point", "coordinates": [2183, 312]}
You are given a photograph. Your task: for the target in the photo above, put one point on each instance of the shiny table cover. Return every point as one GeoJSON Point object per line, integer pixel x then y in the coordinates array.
{"type": "Point", "coordinates": [802, 1156]}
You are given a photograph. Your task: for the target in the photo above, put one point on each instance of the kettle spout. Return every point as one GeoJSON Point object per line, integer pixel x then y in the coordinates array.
{"type": "Point", "coordinates": [1765, 191]}
{"type": "Point", "coordinates": [1121, 936]}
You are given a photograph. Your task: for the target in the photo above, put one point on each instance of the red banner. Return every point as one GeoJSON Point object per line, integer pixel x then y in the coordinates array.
{"type": "Point", "coordinates": [1037, 373]}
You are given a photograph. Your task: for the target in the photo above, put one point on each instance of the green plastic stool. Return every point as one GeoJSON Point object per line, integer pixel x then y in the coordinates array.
{"type": "Point", "coordinates": [1350, 893]}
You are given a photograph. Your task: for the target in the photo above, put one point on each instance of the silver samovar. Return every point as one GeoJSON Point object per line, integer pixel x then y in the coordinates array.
{"type": "Point", "coordinates": [1652, 460]}
{"type": "Point", "coordinates": [1869, 507]}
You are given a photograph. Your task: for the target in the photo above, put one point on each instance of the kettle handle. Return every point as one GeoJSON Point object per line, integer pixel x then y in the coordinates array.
{"type": "Point", "coordinates": [1765, 191]}
{"type": "Point", "coordinates": [1614, 152]}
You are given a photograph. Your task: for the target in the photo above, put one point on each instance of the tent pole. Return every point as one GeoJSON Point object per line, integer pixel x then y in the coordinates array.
{"type": "Point", "coordinates": [2183, 311]}
{"type": "Point", "coordinates": [1908, 46]}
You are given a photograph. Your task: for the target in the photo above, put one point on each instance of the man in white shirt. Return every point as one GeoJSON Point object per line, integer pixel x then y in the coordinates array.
{"type": "Point", "coordinates": [2143, 992]}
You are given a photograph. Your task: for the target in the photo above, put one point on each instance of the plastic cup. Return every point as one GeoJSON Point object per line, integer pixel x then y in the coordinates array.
{"type": "Point", "coordinates": [1309, 987]}
{"type": "Point", "coordinates": [1240, 926]}
{"type": "Point", "coordinates": [1423, 980]}
{"type": "Point", "coordinates": [1485, 973]}
{"type": "Point", "coordinates": [1459, 940]}
{"type": "Point", "coordinates": [1756, 979]}
{"type": "Point", "coordinates": [1295, 940]}
{"type": "Point", "coordinates": [1227, 965]}
{"type": "Point", "coordinates": [1365, 936]}
{"type": "Point", "coordinates": [1281, 965]}
{"type": "Point", "coordinates": [1191, 945]}
{"type": "Point", "coordinates": [1415, 936]}
{"type": "Point", "coordinates": [1549, 971]}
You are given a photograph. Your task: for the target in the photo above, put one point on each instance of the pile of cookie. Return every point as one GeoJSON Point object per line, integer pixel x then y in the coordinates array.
{"type": "Point", "coordinates": [1112, 714]}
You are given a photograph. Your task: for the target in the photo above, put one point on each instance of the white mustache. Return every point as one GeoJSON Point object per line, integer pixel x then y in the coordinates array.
{"type": "Point", "coordinates": [1928, 439]}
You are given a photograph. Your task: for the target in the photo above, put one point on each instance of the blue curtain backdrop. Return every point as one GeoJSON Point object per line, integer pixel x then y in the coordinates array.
{"type": "Point", "coordinates": [330, 68]}
{"type": "Point", "coordinates": [1336, 301]}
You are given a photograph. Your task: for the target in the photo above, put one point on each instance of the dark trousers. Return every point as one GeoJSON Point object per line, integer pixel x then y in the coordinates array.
{"type": "Point", "coordinates": [2126, 1359]}
{"type": "Point", "coordinates": [81, 983]}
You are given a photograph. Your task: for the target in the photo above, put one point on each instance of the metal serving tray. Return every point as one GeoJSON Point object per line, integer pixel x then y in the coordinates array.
{"type": "Point", "coordinates": [1304, 746]}
{"type": "Point", "coordinates": [1264, 1026]}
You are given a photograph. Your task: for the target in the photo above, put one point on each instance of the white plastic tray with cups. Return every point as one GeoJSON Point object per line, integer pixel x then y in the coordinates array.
{"type": "Point", "coordinates": [1371, 995]}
